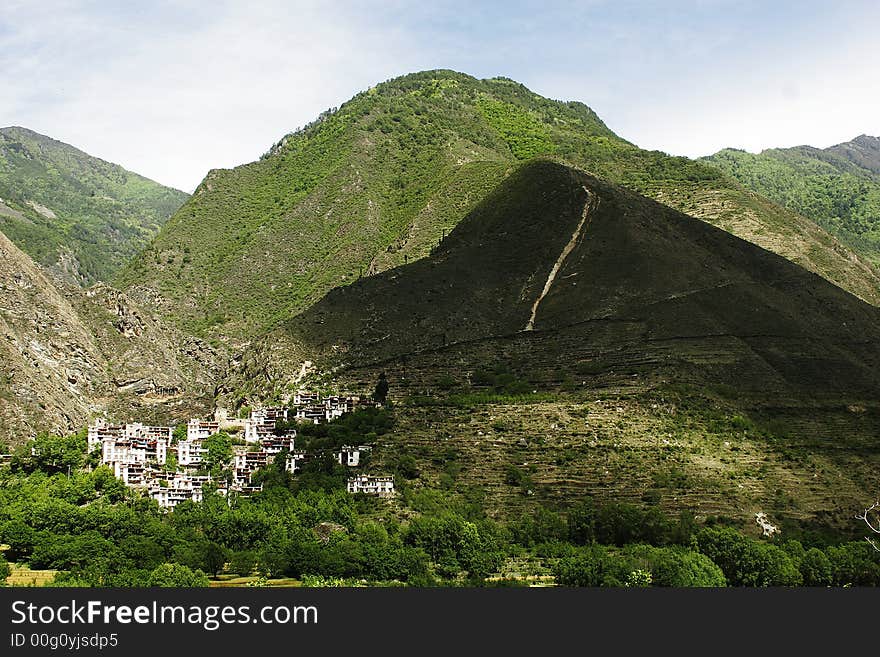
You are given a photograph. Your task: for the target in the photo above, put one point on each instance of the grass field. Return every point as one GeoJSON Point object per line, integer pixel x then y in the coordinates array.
{"type": "Point", "coordinates": [24, 576]}
{"type": "Point", "coordinates": [234, 581]}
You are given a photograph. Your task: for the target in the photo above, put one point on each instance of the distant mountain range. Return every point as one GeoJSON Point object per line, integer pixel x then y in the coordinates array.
{"type": "Point", "coordinates": [837, 187]}
{"type": "Point", "coordinates": [78, 215]}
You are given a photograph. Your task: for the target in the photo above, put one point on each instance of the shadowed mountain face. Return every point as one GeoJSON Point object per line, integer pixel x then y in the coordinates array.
{"type": "Point", "coordinates": [378, 183]}
{"type": "Point", "coordinates": [608, 280]}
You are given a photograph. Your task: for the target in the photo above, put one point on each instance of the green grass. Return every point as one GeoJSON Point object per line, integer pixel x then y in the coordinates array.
{"type": "Point", "coordinates": [838, 194]}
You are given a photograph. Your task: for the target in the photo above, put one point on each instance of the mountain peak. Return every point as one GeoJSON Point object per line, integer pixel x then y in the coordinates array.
{"type": "Point", "coordinates": [863, 151]}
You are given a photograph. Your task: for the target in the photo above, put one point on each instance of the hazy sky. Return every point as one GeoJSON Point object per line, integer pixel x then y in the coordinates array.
{"type": "Point", "coordinates": [174, 88]}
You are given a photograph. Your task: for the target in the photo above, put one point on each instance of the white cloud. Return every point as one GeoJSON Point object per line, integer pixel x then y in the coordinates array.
{"type": "Point", "coordinates": [181, 87]}
{"type": "Point", "coordinates": [171, 103]}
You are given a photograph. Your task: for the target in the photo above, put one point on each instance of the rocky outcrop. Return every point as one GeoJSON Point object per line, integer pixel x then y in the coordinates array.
{"type": "Point", "coordinates": [68, 354]}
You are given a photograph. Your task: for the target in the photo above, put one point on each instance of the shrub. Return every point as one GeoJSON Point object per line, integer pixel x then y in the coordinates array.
{"type": "Point", "coordinates": [173, 575]}
{"type": "Point", "coordinates": [745, 561]}
{"type": "Point", "coordinates": [592, 566]}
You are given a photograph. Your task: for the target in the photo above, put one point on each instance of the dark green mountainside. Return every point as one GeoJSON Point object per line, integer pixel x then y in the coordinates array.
{"type": "Point", "coordinates": [570, 337]}
{"type": "Point", "coordinates": [661, 293]}
{"type": "Point", "coordinates": [838, 187]}
{"type": "Point", "coordinates": [78, 215]}
{"type": "Point", "coordinates": [377, 183]}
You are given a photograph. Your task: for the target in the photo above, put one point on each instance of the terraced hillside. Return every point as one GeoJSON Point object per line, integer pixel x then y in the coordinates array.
{"type": "Point", "coordinates": [837, 187]}
{"type": "Point", "coordinates": [76, 214]}
{"type": "Point", "coordinates": [571, 337]}
{"type": "Point", "coordinates": [379, 182]}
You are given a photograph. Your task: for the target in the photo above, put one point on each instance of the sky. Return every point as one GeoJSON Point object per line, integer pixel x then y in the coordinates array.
{"type": "Point", "coordinates": [171, 89]}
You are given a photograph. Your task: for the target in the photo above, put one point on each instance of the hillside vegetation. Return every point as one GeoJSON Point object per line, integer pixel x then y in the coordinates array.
{"type": "Point", "coordinates": [838, 187]}
{"type": "Point", "coordinates": [669, 362]}
{"type": "Point", "coordinates": [67, 520]}
{"type": "Point", "coordinates": [378, 182]}
{"type": "Point", "coordinates": [79, 215]}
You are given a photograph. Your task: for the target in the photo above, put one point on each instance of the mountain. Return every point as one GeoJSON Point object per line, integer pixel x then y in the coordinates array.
{"type": "Point", "coordinates": [837, 187]}
{"type": "Point", "coordinates": [78, 215]}
{"type": "Point", "coordinates": [555, 255]}
{"type": "Point", "coordinates": [863, 151]}
{"type": "Point", "coordinates": [378, 182]}
{"type": "Point", "coordinates": [574, 335]}
{"type": "Point", "coordinates": [69, 354]}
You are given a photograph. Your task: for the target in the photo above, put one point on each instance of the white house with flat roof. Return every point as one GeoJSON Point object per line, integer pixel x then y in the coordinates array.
{"type": "Point", "coordinates": [369, 485]}
{"type": "Point", "coordinates": [197, 429]}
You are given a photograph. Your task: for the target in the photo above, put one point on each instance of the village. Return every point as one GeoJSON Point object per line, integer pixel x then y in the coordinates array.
{"type": "Point", "coordinates": [170, 467]}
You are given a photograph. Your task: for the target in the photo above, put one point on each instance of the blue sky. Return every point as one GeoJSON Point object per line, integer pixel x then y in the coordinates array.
{"type": "Point", "coordinates": [173, 89]}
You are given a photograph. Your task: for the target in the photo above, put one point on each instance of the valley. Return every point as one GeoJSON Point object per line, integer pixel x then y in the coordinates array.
{"type": "Point", "coordinates": [575, 346]}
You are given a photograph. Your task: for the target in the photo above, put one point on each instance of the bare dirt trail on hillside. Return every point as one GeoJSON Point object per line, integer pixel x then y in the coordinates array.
{"type": "Point", "coordinates": [590, 205]}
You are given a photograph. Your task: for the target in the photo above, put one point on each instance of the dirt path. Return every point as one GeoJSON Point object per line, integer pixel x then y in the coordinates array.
{"type": "Point", "coordinates": [589, 205]}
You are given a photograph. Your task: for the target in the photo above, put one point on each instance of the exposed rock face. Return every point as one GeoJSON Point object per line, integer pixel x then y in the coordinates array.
{"type": "Point", "coordinates": [864, 151]}
{"type": "Point", "coordinates": [52, 366]}
{"type": "Point", "coordinates": [69, 354]}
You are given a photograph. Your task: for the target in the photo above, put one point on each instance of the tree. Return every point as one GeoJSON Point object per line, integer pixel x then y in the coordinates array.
{"type": "Point", "coordinates": [380, 394]}
{"type": "Point", "coordinates": [854, 564]}
{"type": "Point", "coordinates": [243, 562]}
{"type": "Point", "coordinates": [582, 523]}
{"type": "Point", "coordinates": [214, 557]}
{"type": "Point", "coordinates": [871, 516]}
{"type": "Point", "coordinates": [4, 570]}
{"type": "Point", "coordinates": [174, 575]}
{"type": "Point", "coordinates": [745, 561]}
{"type": "Point", "coordinates": [816, 569]}
{"type": "Point", "coordinates": [618, 524]}
{"type": "Point", "coordinates": [51, 454]}
{"type": "Point", "coordinates": [218, 452]}
{"type": "Point", "coordinates": [677, 566]}
{"type": "Point", "coordinates": [179, 434]}
{"type": "Point", "coordinates": [592, 566]}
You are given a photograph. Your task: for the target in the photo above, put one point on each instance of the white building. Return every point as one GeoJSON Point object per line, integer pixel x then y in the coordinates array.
{"type": "Point", "coordinates": [101, 430]}
{"type": "Point", "coordinates": [294, 459]}
{"type": "Point", "coordinates": [315, 414]}
{"type": "Point", "coordinates": [351, 456]}
{"type": "Point", "coordinates": [138, 431]}
{"type": "Point", "coordinates": [381, 486]}
{"type": "Point", "coordinates": [171, 490]}
{"type": "Point", "coordinates": [190, 452]}
{"type": "Point", "coordinates": [305, 398]}
{"type": "Point", "coordinates": [200, 429]}
{"type": "Point", "coordinates": [131, 474]}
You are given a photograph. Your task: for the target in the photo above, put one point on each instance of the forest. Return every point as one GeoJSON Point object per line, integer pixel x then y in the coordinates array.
{"type": "Point", "coordinates": [60, 511]}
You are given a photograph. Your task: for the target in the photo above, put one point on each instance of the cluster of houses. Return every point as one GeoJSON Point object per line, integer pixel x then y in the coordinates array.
{"type": "Point", "coordinates": [173, 469]}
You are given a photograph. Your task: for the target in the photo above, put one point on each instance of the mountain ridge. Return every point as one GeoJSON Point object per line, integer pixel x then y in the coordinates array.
{"type": "Point", "coordinates": [837, 187]}
{"type": "Point", "coordinates": [377, 182]}
{"type": "Point", "coordinates": [477, 278]}
{"type": "Point", "coordinates": [80, 216]}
